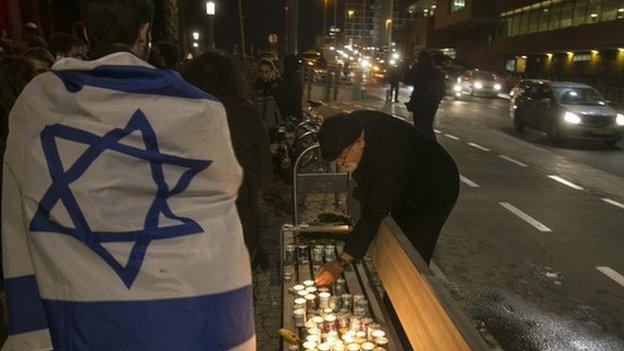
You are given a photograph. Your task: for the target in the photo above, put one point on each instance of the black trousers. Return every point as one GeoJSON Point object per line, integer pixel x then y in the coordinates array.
{"type": "Point", "coordinates": [394, 91]}
{"type": "Point", "coordinates": [424, 117]}
{"type": "Point", "coordinates": [422, 226]}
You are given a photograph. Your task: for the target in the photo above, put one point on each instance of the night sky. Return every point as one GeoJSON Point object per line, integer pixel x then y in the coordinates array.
{"type": "Point", "coordinates": [262, 17]}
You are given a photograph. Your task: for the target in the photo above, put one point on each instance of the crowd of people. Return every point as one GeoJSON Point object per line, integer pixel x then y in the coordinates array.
{"type": "Point", "coordinates": [98, 275]}
{"type": "Point", "coordinates": [256, 94]}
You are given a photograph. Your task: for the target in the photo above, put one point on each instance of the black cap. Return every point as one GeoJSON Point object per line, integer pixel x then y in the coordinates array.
{"type": "Point", "coordinates": [338, 133]}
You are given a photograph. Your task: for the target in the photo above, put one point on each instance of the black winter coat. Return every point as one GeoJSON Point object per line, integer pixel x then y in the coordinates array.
{"type": "Point", "coordinates": [401, 169]}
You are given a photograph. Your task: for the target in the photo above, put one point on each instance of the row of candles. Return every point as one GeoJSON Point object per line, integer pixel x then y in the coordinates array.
{"type": "Point", "coordinates": [334, 322]}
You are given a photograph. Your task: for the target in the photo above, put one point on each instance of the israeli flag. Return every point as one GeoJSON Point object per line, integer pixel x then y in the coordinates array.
{"type": "Point", "coordinates": [119, 224]}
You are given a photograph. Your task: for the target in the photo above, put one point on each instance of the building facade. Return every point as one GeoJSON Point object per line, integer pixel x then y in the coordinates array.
{"type": "Point", "coordinates": [556, 39]}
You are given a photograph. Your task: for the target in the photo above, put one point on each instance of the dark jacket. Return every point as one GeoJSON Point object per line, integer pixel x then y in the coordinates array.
{"type": "Point", "coordinates": [429, 85]}
{"type": "Point", "coordinates": [294, 94]}
{"type": "Point", "coordinates": [271, 101]}
{"type": "Point", "coordinates": [401, 169]}
{"type": "Point", "coordinates": [251, 146]}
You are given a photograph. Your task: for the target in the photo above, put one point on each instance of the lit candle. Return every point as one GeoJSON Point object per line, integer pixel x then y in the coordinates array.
{"type": "Point", "coordinates": [308, 283]}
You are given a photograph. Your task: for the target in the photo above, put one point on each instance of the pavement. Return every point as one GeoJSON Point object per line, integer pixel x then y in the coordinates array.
{"type": "Point", "coordinates": [533, 249]}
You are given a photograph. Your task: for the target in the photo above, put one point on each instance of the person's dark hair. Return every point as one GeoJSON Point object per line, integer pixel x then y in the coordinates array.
{"type": "Point", "coordinates": [217, 74]}
{"type": "Point", "coordinates": [39, 54]}
{"type": "Point", "coordinates": [62, 43]}
{"type": "Point", "coordinates": [34, 41]}
{"type": "Point", "coordinates": [112, 22]}
{"type": "Point", "coordinates": [15, 73]}
{"type": "Point", "coordinates": [170, 54]}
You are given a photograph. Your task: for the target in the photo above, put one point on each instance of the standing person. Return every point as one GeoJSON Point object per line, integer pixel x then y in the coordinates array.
{"type": "Point", "coordinates": [217, 74]}
{"type": "Point", "coordinates": [63, 45]}
{"type": "Point", "coordinates": [119, 227]}
{"type": "Point", "coordinates": [167, 55]}
{"type": "Point", "coordinates": [399, 170]}
{"type": "Point", "coordinates": [270, 94]}
{"type": "Point", "coordinates": [429, 89]}
{"type": "Point", "coordinates": [293, 86]}
{"type": "Point", "coordinates": [394, 78]}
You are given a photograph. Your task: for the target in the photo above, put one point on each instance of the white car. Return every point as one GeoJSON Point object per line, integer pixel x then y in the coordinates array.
{"type": "Point", "coordinates": [477, 83]}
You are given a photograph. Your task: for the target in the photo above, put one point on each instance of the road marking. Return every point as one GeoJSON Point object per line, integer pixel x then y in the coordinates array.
{"type": "Point", "coordinates": [347, 111]}
{"type": "Point", "coordinates": [532, 221]}
{"type": "Point", "coordinates": [451, 136]}
{"type": "Point", "coordinates": [613, 202]}
{"type": "Point", "coordinates": [611, 273]}
{"type": "Point", "coordinates": [437, 131]}
{"type": "Point", "coordinates": [479, 146]}
{"type": "Point", "coordinates": [513, 161]}
{"type": "Point", "coordinates": [565, 182]}
{"type": "Point", "coordinates": [468, 182]}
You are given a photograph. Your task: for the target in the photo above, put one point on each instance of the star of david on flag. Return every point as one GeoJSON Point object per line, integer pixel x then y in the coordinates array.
{"type": "Point", "coordinates": [62, 179]}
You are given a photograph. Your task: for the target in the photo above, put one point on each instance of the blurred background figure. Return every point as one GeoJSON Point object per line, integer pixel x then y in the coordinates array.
{"type": "Point", "coordinates": [166, 55]}
{"type": "Point", "coordinates": [293, 86]}
{"type": "Point", "coordinates": [429, 89]}
{"type": "Point", "coordinates": [394, 78]}
{"type": "Point", "coordinates": [270, 94]}
{"type": "Point", "coordinates": [63, 45]}
{"type": "Point", "coordinates": [41, 59]}
{"type": "Point", "coordinates": [218, 75]}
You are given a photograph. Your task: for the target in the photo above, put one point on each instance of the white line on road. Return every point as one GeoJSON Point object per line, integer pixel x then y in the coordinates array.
{"type": "Point", "coordinates": [613, 202]}
{"type": "Point", "coordinates": [451, 136]}
{"type": "Point", "coordinates": [611, 273]}
{"type": "Point", "coordinates": [532, 221]}
{"type": "Point", "coordinates": [468, 182]}
{"type": "Point", "coordinates": [513, 161]}
{"type": "Point", "coordinates": [565, 182]}
{"type": "Point", "coordinates": [479, 146]}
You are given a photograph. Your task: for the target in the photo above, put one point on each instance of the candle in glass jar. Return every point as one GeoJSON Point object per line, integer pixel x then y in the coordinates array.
{"type": "Point", "coordinates": [368, 346]}
{"type": "Point", "coordinates": [318, 320]}
{"type": "Point", "coordinates": [309, 345]}
{"type": "Point", "coordinates": [324, 299]}
{"type": "Point", "coordinates": [353, 347]}
{"type": "Point", "coordinates": [300, 318]}
{"type": "Point", "coordinates": [324, 347]}
{"type": "Point", "coordinates": [311, 290]}
{"type": "Point", "coordinates": [378, 334]}
{"type": "Point", "coordinates": [314, 338]}
{"type": "Point", "coordinates": [308, 283]}
{"type": "Point", "coordinates": [330, 323]}
{"type": "Point", "coordinates": [382, 342]}
{"type": "Point", "coordinates": [314, 331]}
{"type": "Point", "coordinates": [311, 301]}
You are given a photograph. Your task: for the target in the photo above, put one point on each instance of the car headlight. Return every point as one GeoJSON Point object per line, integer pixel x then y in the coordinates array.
{"type": "Point", "coordinates": [619, 120]}
{"type": "Point", "coordinates": [572, 118]}
{"type": "Point", "coordinates": [457, 87]}
{"type": "Point", "coordinates": [498, 86]}
{"type": "Point", "coordinates": [478, 85]}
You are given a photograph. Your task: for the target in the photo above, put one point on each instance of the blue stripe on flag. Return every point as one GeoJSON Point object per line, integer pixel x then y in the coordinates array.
{"type": "Point", "coordinates": [24, 305]}
{"type": "Point", "coordinates": [132, 79]}
{"type": "Point", "coordinates": [212, 322]}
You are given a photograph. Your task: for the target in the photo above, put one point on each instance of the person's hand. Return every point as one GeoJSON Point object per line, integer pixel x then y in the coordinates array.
{"type": "Point", "coordinates": [328, 274]}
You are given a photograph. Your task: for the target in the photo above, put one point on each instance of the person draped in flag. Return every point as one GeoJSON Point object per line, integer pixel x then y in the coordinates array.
{"type": "Point", "coordinates": [120, 229]}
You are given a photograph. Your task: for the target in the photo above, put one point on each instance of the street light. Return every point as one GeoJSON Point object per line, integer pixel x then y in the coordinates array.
{"type": "Point", "coordinates": [195, 36]}
{"type": "Point", "coordinates": [211, 10]}
{"type": "Point", "coordinates": [350, 13]}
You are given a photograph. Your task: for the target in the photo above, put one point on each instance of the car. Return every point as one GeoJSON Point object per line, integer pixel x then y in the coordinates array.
{"type": "Point", "coordinates": [478, 83]}
{"type": "Point", "coordinates": [566, 110]}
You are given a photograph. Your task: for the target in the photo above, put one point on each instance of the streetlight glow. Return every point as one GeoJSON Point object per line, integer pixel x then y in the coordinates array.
{"type": "Point", "coordinates": [196, 45]}
{"type": "Point", "coordinates": [195, 35]}
{"type": "Point", "coordinates": [211, 8]}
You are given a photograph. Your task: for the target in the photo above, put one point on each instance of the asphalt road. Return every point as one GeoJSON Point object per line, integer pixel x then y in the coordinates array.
{"type": "Point", "coordinates": [534, 250]}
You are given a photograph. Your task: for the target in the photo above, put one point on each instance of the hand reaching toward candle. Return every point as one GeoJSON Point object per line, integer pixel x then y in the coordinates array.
{"type": "Point", "coordinates": [328, 274]}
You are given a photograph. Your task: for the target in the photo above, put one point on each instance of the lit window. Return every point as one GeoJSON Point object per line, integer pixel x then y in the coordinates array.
{"type": "Point", "coordinates": [458, 5]}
